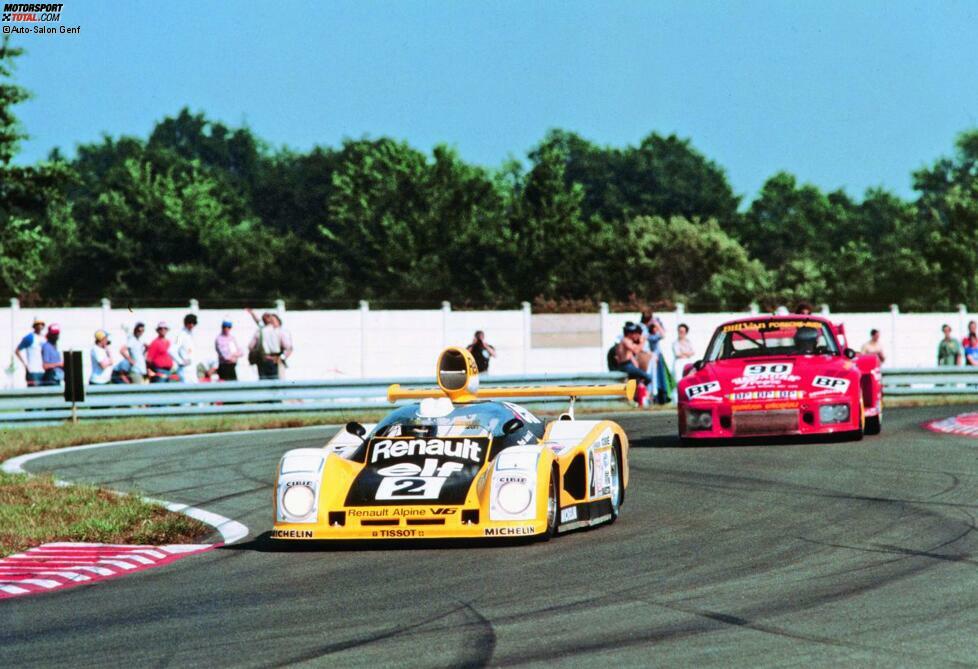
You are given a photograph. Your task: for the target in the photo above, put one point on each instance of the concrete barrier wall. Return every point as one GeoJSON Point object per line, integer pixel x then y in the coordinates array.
{"type": "Point", "coordinates": [366, 343]}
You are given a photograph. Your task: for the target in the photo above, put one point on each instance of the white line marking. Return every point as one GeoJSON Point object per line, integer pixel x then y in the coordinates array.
{"type": "Point", "coordinates": [13, 589]}
{"type": "Point", "coordinates": [231, 530]}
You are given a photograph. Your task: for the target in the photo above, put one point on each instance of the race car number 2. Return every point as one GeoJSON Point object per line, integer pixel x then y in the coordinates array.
{"type": "Point", "coordinates": [406, 480]}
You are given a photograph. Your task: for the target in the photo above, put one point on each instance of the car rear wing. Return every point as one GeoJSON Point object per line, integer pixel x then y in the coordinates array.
{"type": "Point", "coordinates": [626, 390]}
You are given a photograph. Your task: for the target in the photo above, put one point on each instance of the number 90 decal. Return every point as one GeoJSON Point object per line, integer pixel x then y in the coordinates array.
{"type": "Point", "coordinates": [768, 369]}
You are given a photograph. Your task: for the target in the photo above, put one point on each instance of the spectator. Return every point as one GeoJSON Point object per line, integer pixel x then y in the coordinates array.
{"type": "Point", "coordinates": [159, 362]}
{"type": "Point", "coordinates": [653, 332]}
{"type": "Point", "coordinates": [101, 359]}
{"type": "Point", "coordinates": [682, 349]}
{"type": "Point", "coordinates": [873, 346]}
{"type": "Point", "coordinates": [627, 359]}
{"type": "Point", "coordinates": [184, 350]}
{"type": "Point", "coordinates": [949, 350]}
{"type": "Point", "coordinates": [803, 308]}
{"type": "Point", "coordinates": [972, 330]}
{"type": "Point", "coordinates": [29, 353]}
{"type": "Point", "coordinates": [134, 353]}
{"type": "Point", "coordinates": [481, 351]}
{"type": "Point", "coordinates": [228, 353]}
{"type": "Point", "coordinates": [270, 347]}
{"type": "Point", "coordinates": [53, 363]}
{"type": "Point", "coordinates": [971, 350]}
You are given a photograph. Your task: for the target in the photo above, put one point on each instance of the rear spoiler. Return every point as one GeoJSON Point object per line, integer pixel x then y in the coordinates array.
{"type": "Point", "coordinates": [626, 390]}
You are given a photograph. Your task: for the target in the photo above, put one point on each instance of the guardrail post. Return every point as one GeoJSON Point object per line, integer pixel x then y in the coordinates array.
{"type": "Point", "coordinates": [894, 312]}
{"type": "Point", "coordinates": [527, 324]}
{"type": "Point", "coordinates": [106, 307]}
{"type": "Point", "coordinates": [364, 311]}
{"type": "Point", "coordinates": [446, 312]}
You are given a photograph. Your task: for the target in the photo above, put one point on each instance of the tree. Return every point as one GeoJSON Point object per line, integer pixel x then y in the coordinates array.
{"type": "Point", "coordinates": [10, 95]}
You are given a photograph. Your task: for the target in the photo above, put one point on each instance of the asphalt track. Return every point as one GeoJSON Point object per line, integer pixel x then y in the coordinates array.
{"type": "Point", "coordinates": [813, 554]}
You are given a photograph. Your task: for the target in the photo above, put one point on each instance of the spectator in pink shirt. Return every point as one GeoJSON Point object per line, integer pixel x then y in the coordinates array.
{"type": "Point", "coordinates": [228, 353]}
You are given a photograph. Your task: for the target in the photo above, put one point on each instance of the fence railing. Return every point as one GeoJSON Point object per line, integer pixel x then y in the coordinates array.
{"type": "Point", "coordinates": [46, 404]}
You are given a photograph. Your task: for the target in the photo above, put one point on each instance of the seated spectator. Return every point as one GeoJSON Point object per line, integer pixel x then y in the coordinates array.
{"type": "Point", "coordinates": [874, 346]}
{"type": "Point", "coordinates": [159, 362]}
{"type": "Point", "coordinates": [971, 350]}
{"type": "Point", "coordinates": [102, 363]}
{"type": "Point", "coordinates": [627, 355]}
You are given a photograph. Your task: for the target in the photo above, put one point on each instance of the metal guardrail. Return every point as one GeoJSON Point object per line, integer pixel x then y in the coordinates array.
{"type": "Point", "coordinates": [910, 381]}
{"type": "Point", "coordinates": [47, 404]}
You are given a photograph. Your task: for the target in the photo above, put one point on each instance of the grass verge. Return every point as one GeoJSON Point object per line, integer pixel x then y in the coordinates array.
{"type": "Point", "coordinates": [33, 511]}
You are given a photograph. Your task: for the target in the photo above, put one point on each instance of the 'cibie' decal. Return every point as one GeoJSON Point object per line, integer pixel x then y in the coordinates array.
{"type": "Point", "coordinates": [702, 389]}
{"type": "Point", "coordinates": [831, 382]}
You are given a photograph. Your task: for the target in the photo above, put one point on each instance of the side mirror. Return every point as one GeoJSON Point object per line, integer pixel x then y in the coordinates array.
{"type": "Point", "coordinates": [849, 353]}
{"type": "Point", "coordinates": [512, 425]}
{"type": "Point", "coordinates": [356, 429]}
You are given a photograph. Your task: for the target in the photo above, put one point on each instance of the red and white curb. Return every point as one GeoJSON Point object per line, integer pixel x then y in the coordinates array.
{"type": "Point", "coordinates": [964, 425]}
{"type": "Point", "coordinates": [63, 565]}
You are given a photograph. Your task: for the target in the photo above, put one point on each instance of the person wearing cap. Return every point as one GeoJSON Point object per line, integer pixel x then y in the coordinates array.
{"type": "Point", "coordinates": [54, 364]}
{"type": "Point", "coordinates": [159, 362]}
{"type": "Point", "coordinates": [228, 353]}
{"type": "Point", "coordinates": [102, 362]}
{"type": "Point", "coordinates": [134, 352]}
{"type": "Point", "coordinates": [29, 353]}
{"type": "Point", "coordinates": [184, 350]}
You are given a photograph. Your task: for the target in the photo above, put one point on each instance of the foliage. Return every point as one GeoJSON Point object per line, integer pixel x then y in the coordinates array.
{"type": "Point", "coordinates": [205, 210]}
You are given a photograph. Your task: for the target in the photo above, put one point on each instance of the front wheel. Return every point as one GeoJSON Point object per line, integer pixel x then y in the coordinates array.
{"type": "Point", "coordinates": [874, 424]}
{"type": "Point", "coordinates": [553, 506]}
{"type": "Point", "coordinates": [617, 484]}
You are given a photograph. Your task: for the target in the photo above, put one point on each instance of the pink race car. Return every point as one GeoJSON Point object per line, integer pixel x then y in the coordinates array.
{"type": "Point", "coordinates": [780, 375]}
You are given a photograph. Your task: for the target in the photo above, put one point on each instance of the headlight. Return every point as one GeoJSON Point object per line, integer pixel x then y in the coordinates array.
{"type": "Point", "coordinates": [833, 413]}
{"type": "Point", "coordinates": [514, 497]}
{"type": "Point", "coordinates": [298, 500]}
{"type": "Point", "coordinates": [699, 420]}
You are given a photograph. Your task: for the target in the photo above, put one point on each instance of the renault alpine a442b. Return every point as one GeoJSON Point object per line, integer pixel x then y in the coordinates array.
{"type": "Point", "coordinates": [457, 463]}
{"type": "Point", "coordinates": [780, 375]}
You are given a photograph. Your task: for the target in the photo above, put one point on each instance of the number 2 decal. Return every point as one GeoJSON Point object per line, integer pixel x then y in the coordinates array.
{"type": "Point", "coordinates": [418, 487]}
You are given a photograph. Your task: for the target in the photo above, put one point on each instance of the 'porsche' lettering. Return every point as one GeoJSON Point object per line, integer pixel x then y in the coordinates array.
{"type": "Point", "coordinates": [508, 531]}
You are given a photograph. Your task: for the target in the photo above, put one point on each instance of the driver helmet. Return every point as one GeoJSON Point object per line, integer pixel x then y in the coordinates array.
{"type": "Point", "coordinates": [805, 339]}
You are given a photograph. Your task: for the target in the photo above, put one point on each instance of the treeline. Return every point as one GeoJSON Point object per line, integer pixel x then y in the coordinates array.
{"type": "Point", "coordinates": [200, 209]}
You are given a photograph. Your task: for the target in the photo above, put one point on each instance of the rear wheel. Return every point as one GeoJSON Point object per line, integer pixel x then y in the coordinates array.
{"type": "Point", "coordinates": [617, 486]}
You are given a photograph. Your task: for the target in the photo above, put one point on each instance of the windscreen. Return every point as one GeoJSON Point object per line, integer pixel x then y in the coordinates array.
{"type": "Point", "coordinates": [748, 339]}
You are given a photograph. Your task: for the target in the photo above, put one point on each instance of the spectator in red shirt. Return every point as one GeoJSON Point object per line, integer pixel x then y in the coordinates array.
{"type": "Point", "coordinates": [972, 330]}
{"type": "Point", "coordinates": [159, 362]}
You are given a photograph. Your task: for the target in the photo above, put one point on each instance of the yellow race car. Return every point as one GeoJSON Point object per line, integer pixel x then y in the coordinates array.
{"type": "Point", "coordinates": [458, 464]}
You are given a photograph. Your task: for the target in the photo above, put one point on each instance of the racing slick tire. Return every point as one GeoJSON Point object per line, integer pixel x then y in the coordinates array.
{"type": "Point", "coordinates": [617, 485]}
{"type": "Point", "coordinates": [553, 506]}
{"type": "Point", "coordinates": [874, 424]}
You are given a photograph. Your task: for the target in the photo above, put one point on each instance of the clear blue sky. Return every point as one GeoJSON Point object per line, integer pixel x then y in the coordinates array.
{"type": "Point", "coordinates": [842, 94]}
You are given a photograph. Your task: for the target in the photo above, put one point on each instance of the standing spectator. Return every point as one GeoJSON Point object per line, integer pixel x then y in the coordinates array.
{"type": "Point", "coordinates": [228, 353]}
{"type": "Point", "coordinates": [949, 350]}
{"type": "Point", "coordinates": [873, 346]}
{"type": "Point", "coordinates": [184, 350]}
{"type": "Point", "coordinates": [54, 364]}
{"type": "Point", "coordinates": [971, 350]}
{"type": "Point", "coordinates": [972, 330]}
{"type": "Point", "coordinates": [101, 359]}
{"type": "Point", "coordinates": [653, 332]}
{"type": "Point", "coordinates": [29, 353]}
{"type": "Point", "coordinates": [481, 351]}
{"type": "Point", "coordinates": [159, 362]}
{"type": "Point", "coordinates": [682, 349]}
{"type": "Point", "coordinates": [134, 353]}
{"type": "Point", "coordinates": [803, 308]}
{"type": "Point", "coordinates": [270, 347]}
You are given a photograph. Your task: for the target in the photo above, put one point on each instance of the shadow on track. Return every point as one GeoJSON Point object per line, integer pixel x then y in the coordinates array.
{"type": "Point", "coordinates": [673, 441]}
